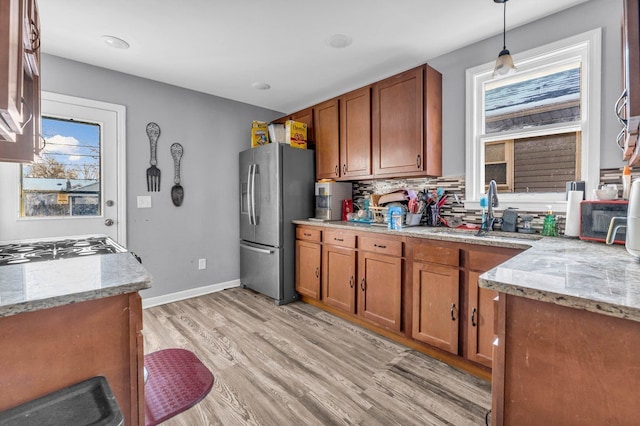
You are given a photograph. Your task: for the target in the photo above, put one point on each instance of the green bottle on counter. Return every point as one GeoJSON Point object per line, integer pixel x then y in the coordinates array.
{"type": "Point", "coordinates": [549, 226]}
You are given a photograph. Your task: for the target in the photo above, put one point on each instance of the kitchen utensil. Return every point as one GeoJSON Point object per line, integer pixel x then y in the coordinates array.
{"type": "Point", "coordinates": [442, 201]}
{"type": "Point", "coordinates": [153, 172]}
{"type": "Point", "coordinates": [177, 192]}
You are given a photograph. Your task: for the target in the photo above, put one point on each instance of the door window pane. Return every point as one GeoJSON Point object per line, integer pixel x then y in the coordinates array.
{"type": "Point", "coordinates": [64, 180]}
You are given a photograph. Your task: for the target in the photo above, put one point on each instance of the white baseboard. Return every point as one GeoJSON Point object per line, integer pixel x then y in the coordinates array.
{"type": "Point", "coordinates": [187, 294]}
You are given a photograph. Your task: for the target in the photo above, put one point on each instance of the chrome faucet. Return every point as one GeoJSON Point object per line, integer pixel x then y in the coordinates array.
{"type": "Point", "coordinates": [492, 197]}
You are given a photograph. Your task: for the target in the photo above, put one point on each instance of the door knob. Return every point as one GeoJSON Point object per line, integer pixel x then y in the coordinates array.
{"type": "Point", "coordinates": [109, 203]}
{"type": "Point", "coordinates": [109, 222]}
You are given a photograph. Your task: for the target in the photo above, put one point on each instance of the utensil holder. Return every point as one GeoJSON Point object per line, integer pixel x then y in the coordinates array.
{"type": "Point", "coordinates": [413, 218]}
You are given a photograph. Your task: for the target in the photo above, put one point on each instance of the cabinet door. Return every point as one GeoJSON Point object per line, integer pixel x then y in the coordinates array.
{"type": "Point", "coordinates": [398, 124]}
{"type": "Point", "coordinates": [327, 140]}
{"type": "Point", "coordinates": [480, 305]}
{"type": "Point", "coordinates": [355, 134]}
{"type": "Point", "coordinates": [308, 269]}
{"type": "Point", "coordinates": [480, 333]}
{"type": "Point", "coordinates": [379, 289]}
{"type": "Point", "coordinates": [306, 116]}
{"type": "Point", "coordinates": [339, 277]}
{"type": "Point", "coordinates": [435, 305]}
{"type": "Point", "coordinates": [11, 68]}
{"type": "Point", "coordinates": [432, 162]}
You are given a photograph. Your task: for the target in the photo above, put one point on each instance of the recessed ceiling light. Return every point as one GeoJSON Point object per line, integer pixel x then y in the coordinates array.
{"type": "Point", "coordinates": [261, 86]}
{"type": "Point", "coordinates": [339, 41]}
{"type": "Point", "coordinates": [115, 42]}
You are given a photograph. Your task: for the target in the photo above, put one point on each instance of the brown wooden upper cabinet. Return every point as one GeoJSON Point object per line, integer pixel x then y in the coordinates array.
{"type": "Point", "coordinates": [326, 120]}
{"type": "Point", "coordinates": [343, 136]}
{"type": "Point", "coordinates": [303, 116]}
{"type": "Point", "coordinates": [355, 134]}
{"type": "Point", "coordinates": [306, 116]}
{"type": "Point", "coordinates": [19, 80]}
{"type": "Point", "coordinates": [407, 124]}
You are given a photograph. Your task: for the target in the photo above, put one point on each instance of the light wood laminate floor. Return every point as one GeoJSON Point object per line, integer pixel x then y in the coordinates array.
{"type": "Point", "coordinates": [298, 365]}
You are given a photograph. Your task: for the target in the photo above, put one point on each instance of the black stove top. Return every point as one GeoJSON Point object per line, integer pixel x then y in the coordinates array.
{"type": "Point", "coordinates": [22, 252]}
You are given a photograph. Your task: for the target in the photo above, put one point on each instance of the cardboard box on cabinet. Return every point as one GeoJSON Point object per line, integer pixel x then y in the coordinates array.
{"type": "Point", "coordinates": [296, 134]}
{"type": "Point", "coordinates": [259, 133]}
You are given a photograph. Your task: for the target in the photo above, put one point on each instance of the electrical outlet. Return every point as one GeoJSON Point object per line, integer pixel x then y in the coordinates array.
{"type": "Point", "coordinates": [202, 263]}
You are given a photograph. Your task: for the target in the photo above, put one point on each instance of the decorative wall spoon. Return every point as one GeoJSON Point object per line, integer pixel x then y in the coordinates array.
{"type": "Point", "coordinates": [177, 192]}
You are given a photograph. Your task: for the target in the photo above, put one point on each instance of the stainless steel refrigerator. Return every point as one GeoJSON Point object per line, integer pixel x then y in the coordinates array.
{"type": "Point", "coordinates": [276, 187]}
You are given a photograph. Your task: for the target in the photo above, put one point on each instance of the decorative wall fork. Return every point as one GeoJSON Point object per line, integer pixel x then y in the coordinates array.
{"type": "Point", "coordinates": [153, 173]}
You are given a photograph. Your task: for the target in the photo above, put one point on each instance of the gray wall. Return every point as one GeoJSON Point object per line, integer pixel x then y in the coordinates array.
{"type": "Point", "coordinates": [605, 14]}
{"type": "Point", "coordinates": [212, 130]}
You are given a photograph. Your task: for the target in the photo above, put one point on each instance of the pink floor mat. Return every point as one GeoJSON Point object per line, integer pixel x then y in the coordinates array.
{"type": "Point", "coordinates": [177, 381]}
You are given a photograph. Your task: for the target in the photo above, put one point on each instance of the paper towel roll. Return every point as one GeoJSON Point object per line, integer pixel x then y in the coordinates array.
{"type": "Point", "coordinates": [572, 224]}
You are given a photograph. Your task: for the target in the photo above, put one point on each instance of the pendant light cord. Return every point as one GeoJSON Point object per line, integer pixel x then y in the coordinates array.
{"type": "Point", "coordinates": [504, 26]}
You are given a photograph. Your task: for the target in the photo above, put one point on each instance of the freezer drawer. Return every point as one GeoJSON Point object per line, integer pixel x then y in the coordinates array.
{"type": "Point", "coordinates": [261, 269]}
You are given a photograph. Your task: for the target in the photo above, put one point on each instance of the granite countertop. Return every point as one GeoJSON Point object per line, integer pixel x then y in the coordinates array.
{"type": "Point", "coordinates": [568, 272]}
{"type": "Point", "coordinates": [33, 286]}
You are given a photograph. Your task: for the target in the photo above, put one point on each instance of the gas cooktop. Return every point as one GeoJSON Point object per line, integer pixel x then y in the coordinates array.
{"type": "Point", "coordinates": [34, 251]}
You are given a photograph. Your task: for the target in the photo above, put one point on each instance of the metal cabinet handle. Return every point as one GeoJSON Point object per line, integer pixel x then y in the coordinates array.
{"type": "Point", "coordinates": [362, 287]}
{"type": "Point", "coordinates": [453, 307]}
{"type": "Point", "coordinates": [351, 282]}
{"type": "Point", "coordinates": [418, 162]}
{"type": "Point", "coordinates": [306, 235]}
{"type": "Point", "coordinates": [337, 170]}
{"type": "Point", "coordinates": [473, 317]}
{"type": "Point", "coordinates": [317, 272]}
{"type": "Point", "coordinates": [620, 106]}
{"type": "Point", "coordinates": [621, 137]}
{"type": "Point", "coordinates": [338, 239]}
{"type": "Point", "coordinates": [344, 170]}
{"type": "Point", "coordinates": [380, 246]}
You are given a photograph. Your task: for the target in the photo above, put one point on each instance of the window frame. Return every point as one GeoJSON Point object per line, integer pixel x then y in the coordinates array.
{"type": "Point", "coordinates": [586, 47]}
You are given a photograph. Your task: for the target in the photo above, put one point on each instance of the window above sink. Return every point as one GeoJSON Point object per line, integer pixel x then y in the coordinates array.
{"type": "Point", "coordinates": [536, 129]}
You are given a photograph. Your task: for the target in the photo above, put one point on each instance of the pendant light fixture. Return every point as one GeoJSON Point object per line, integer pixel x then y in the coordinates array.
{"type": "Point", "coordinates": [504, 63]}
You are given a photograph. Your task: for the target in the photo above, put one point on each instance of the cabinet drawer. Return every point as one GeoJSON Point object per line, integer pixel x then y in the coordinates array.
{"type": "Point", "coordinates": [341, 239]}
{"type": "Point", "coordinates": [483, 261]}
{"type": "Point", "coordinates": [308, 234]}
{"type": "Point", "coordinates": [379, 245]}
{"type": "Point", "coordinates": [436, 254]}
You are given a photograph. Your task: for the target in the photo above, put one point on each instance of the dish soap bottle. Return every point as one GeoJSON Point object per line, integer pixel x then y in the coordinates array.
{"type": "Point", "coordinates": [549, 226]}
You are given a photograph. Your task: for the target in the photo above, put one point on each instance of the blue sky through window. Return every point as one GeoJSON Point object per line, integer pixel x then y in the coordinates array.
{"type": "Point", "coordinates": [73, 144]}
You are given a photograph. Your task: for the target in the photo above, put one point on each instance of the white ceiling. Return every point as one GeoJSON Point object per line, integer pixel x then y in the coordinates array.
{"type": "Point", "coordinates": [222, 47]}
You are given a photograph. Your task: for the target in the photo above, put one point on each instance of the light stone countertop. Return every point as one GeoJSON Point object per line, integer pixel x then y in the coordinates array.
{"type": "Point", "coordinates": [33, 286]}
{"type": "Point", "coordinates": [568, 272]}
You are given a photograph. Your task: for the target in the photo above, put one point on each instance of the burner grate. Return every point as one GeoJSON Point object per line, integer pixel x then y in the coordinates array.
{"type": "Point", "coordinates": [16, 253]}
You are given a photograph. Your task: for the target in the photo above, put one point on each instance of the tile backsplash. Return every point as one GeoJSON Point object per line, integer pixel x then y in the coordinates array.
{"type": "Point", "coordinates": [455, 185]}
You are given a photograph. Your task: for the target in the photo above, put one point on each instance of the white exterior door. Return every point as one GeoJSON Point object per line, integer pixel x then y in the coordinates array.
{"type": "Point", "coordinates": [76, 186]}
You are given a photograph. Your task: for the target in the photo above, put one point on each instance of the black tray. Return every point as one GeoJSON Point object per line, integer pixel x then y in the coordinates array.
{"type": "Point", "coordinates": [86, 403]}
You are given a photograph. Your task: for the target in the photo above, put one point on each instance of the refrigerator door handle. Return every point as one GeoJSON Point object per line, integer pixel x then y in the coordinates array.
{"type": "Point", "coordinates": [256, 249]}
{"type": "Point", "coordinates": [249, 190]}
{"type": "Point", "coordinates": [253, 194]}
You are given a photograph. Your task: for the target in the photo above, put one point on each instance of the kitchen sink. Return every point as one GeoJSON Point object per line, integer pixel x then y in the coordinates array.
{"type": "Point", "coordinates": [492, 235]}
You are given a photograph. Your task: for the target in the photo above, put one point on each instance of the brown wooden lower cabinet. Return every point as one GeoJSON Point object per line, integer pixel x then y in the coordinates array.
{"type": "Point", "coordinates": [380, 289]}
{"type": "Point", "coordinates": [480, 306]}
{"type": "Point", "coordinates": [556, 365]}
{"type": "Point", "coordinates": [50, 349]}
{"type": "Point", "coordinates": [424, 292]}
{"type": "Point", "coordinates": [308, 255]}
{"type": "Point", "coordinates": [339, 277]}
{"type": "Point", "coordinates": [480, 333]}
{"type": "Point", "coordinates": [436, 290]}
